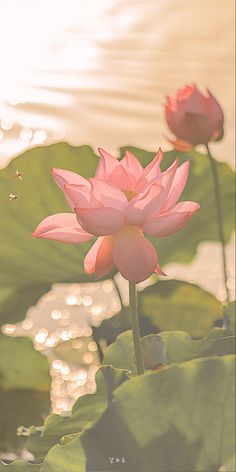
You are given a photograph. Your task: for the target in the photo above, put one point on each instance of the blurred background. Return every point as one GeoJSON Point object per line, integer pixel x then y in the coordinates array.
{"type": "Point", "coordinates": [97, 73]}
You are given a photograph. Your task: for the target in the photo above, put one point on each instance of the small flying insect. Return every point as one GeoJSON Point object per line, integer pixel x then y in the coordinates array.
{"type": "Point", "coordinates": [18, 175]}
{"type": "Point", "coordinates": [13, 198]}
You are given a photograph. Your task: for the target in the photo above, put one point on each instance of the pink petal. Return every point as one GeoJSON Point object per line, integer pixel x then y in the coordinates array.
{"type": "Point", "coordinates": [134, 255]}
{"type": "Point", "coordinates": [166, 178]}
{"type": "Point", "coordinates": [145, 205]}
{"type": "Point", "coordinates": [174, 117]}
{"type": "Point", "coordinates": [216, 115]}
{"type": "Point", "coordinates": [191, 100]}
{"type": "Point", "coordinates": [81, 197]}
{"type": "Point", "coordinates": [132, 166]}
{"type": "Point", "coordinates": [62, 227]}
{"type": "Point", "coordinates": [172, 221]}
{"type": "Point", "coordinates": [107, 163]}
{"type": "Point", "coordinates": [108, 195]}
{"type": "Point", "coordinates": [158, 270]}
{"type": "Point", "coordinates": [63, 177]}
{"type": "Point", "coordinates": [214, 107]}
{"type": "Point", "coordinates": [100, 221]}
{"type": "Point", "coordinates": [178, 184]}
{"type": "Point", "coordinates": [154, 165]}
{"type": "Point", "coordinates": [196, 129]}
{"type": "Point", "coordinates": [90, 258]}
{"type": "Point", "coordinates": [171, 103]}
{"type": "Point", "coordinates": [151, 171]}
{"type": "Point", "coordinates": [111, 171]}
{"type": "Point", "coordinates": [99, 258]}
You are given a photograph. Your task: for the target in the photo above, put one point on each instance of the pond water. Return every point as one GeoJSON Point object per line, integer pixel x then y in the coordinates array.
{"type": "Point", "coordinates": [98, 72]}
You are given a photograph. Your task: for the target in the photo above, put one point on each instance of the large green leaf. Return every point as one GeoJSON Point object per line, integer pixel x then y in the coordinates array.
{"type": "Point", "coordinates": [24, 389]}
{"type": "Point", "coordinates": [175, 305]}
{"type": "Point", "coordinates": [17, 408]}
{"type": "Point", "coordinates": [65, 458]}
{"type": "Point", "coordinates": [180, 418]}
{"type": "Point", "coordinates": [120, 354]}
{"type": "Point", "coordinates": [31, 266]}
{"type": "Point", "coordinates": [177, 347]}
{"type": "Point", "coordinates": [86, 409]}
{"type": "Point", "coordinates": [21, 367]}
{"type": "Point", "coordinates": [167, 305]}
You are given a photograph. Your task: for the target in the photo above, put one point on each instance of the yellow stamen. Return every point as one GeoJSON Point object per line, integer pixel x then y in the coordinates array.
{"type": "Point", "coordinates": [129, 194]}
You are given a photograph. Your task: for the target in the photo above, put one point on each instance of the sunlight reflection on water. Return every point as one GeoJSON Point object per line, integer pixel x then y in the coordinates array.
{"type": "Point", "coordinates": [100, 72]}
{"type": "Point", "coordinates": [60, 326]}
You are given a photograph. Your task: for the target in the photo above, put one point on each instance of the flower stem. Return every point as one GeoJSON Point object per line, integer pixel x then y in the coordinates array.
{"type": "Point", "coordinates": [219, 217]}
{"type": "Point", "coordinates": [135, 328]}
{"type": "Point", "coordinates": [123, 321]}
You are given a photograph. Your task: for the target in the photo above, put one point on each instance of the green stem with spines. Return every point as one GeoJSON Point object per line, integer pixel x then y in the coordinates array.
{"type": "Point", "coordinates": [135, 328]}
{"type": "Point", "coordinates": [219, 216]}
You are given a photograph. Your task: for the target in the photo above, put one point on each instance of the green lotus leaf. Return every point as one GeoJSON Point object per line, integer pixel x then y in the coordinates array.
{"type": "Point", "coordinates": [65, 458]}
{"type": "Point", "coordinates": [175, 305]}
{"type": "Point", "coordinates": [21, 367]}
{"type": "Point", "coordinates": [180, 418]}
{"type": "Point", "coordinates": [18, 408]}
{"type": "Point", "coordinates": [177, 347]}
{"type": "Point", "coordinates": [121, 353]}
{"type": "Point", "coordinates": [24, 391]}
{"type": "Point", "coordinates": [167, 306]}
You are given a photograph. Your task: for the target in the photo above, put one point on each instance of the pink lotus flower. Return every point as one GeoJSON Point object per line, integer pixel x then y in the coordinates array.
{"type": "Point", "coordinates": [118, 206]}
{"type": "Point", "coordinates": [193, 117]}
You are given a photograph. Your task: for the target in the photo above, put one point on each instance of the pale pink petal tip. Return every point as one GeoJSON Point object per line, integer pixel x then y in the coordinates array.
{"type": "Point", "coordinates": [62, 227]}
{"type": "Point", "coordinates": [158, 270]}
{"type": "Point", "coordinates": [105, 154]}
{"type": "Point", "coordinates": [34, 234]}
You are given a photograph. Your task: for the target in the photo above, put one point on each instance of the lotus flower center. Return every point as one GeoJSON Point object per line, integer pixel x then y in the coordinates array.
{"type": "Point", "coordinates": [129, 194]}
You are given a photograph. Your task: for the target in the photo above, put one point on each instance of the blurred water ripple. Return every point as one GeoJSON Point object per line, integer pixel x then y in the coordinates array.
{"type": "Point", "coordinates": [100, 71]}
